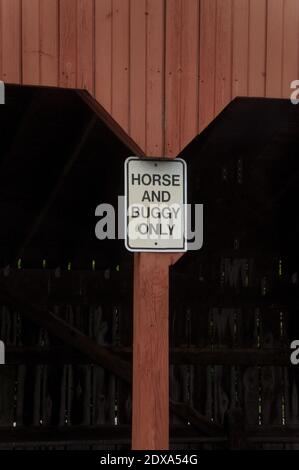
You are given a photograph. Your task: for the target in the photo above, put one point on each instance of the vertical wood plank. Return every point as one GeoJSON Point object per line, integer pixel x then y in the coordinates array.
{"type": "Point", "coordinates": [138, 72]}
{"type": "Point", "coordinates": [275, 23]}
{"type": "Point", "coordinates": [223, 67]}
{"type": "Point", "coordinates": [11, 37]}
{"type": "Point", "coordinates": [103, 53]}
{"type": "Point", "coordinates": [49, 42]}
{"type": "Point", "coordinates": [68, 43]}
{"type": "Point", "coordinates": [240, 47]}
{"type": "Point", "coordinates": [30, 42]}
{"type": "Point", "coordinates": [207, 62]}
{"type": "Point", "coordinates": [257, 47]}
{"type": "Point", "coordinates": [173, 76]}
{"type": "Point", "coordinates": [155, 77]}
{"type": "Point", "coordinates": [290, 65]}
{"type": "Point", "coordinates": [181, 74]}
{"type": "Point", "coordinates": [85, 32]}
{"type": "Point", "coordinates": [120, 62]}
{"type": "Point", "coordinates": [151, 352]}
{"type": "Point", "coordinates": [190, 71]}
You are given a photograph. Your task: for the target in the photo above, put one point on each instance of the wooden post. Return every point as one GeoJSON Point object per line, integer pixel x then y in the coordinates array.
{"type": "Point", "coordinates": [151, 352]}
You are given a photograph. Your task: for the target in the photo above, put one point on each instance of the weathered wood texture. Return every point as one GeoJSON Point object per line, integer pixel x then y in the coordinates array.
{"type": "Point", "coordinates": [151, 352]}
{"type": "Point", "coordinates": [163, 68]}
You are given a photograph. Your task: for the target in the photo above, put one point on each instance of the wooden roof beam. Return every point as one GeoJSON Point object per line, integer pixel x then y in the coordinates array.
{"type": "Point", "coordinates": [178, 356]}
{"type": "Point", "coordinates": [68, 334]}
{"type": "Point", "coordinates": [97, 354]}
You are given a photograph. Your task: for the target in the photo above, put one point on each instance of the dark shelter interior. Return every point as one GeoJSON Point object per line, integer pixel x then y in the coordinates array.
{"type": "Point", "coordinates": [235, 302]}
{"type": "Point", "coordinates": [64, 293]}
{"type": "Point", "coordinates": [66, 297]}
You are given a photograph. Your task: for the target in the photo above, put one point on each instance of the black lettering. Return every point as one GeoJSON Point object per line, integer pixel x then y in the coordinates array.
{"type": "Point", "coordinates": [146, 179]}
{"type": "Point", "coordinates": [140, 229]}
{"type": "Point", "coordinates": [165, 196]}
{"type": "Point", "coordinates": [135, 212]}
{"type": "Point", "coordinates": [136, 178]}
{"type": "Point", "coordinates": [156, 196]}
{"type": "Point", "coordinates": [166, 180]}
{"type": "Point", "coordinates": [175, 180]}
{"type": "Point", "coordinates": [157, 179]}
{"type": "Point", "coordinates": [146, 197]}
{"type": "Point", "coordinates": [154, 228]}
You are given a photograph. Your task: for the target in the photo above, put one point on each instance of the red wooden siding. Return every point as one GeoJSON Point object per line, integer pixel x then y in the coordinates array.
{"type": "Point", "coordinates": [163, 68]}
{"type": "Point", "coordinates": [257, 48]}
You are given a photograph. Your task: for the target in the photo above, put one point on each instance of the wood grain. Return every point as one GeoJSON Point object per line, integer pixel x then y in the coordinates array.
{"type": "Point", "coordinates": [103, 53]}
{"type": "Point", "coordinates": [257, 47]}
{"type": "Point", "coordinates": [138, 25]}
{"type": "Point", "coordinates": [68, 43]}
{"type": "Point", "coordinates": [120, 62]}
{"type": "Point", "coordinates": [207, 60]}
{"type": "Point", "coordinates": [173, 77]}
{"type": "Point", "coordinates": [181, 74]}
{"type": "Point", "coordinates": [85, 52]}
{"type": "Point", "coordinates": [163, 68]}
{"type": "Point", "coordinates": [223, 67]}
{"type": "Point", "coordinates": [1, 40]}
{"type": "Point", "coordinates": [155, 78]}
{"type": "Point", "coordinates": [190, 71]}
{"type": "Point", "coordinates": [150, 356]}
{"type": "Point", "coordinates": [275, 23]}
{"type": "Point", "coordinates": [240, 47]}
{"type": "Point", "coordinates": [49, 42]}
{"type": "Point", "coordinates": [11, 41]}
{"type": "Point", "coordinates": [290, 61]}
{"type": "Point", "coordinates": [31, 41]}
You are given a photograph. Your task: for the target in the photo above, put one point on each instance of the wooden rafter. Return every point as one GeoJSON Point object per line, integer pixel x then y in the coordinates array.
{"type": "Point", "coordinates": [178, 356]}
{"type": "Point", "coordinates": [97, 354]}
{"type": "Point", "coordinates": [68, 334]}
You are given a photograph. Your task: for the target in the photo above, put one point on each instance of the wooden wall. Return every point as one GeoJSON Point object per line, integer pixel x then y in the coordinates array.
{"type": "Point", "coordinates": [163, 68]}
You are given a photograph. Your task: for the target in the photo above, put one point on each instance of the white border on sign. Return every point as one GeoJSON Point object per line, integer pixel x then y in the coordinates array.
{"type": "Point", "coordinates": [155, 250]}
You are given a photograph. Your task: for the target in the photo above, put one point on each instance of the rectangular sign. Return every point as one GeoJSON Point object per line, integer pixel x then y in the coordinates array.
{"type": "Point", "coordinates": [156, 205]}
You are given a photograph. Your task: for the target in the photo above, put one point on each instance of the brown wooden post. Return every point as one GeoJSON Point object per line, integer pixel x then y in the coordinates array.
{"type": "Point", "coordinates": [151, 351]}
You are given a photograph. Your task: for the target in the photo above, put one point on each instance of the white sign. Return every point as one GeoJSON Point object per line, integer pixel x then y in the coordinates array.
{"type": "Point", "coordinates": [156, 205]}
